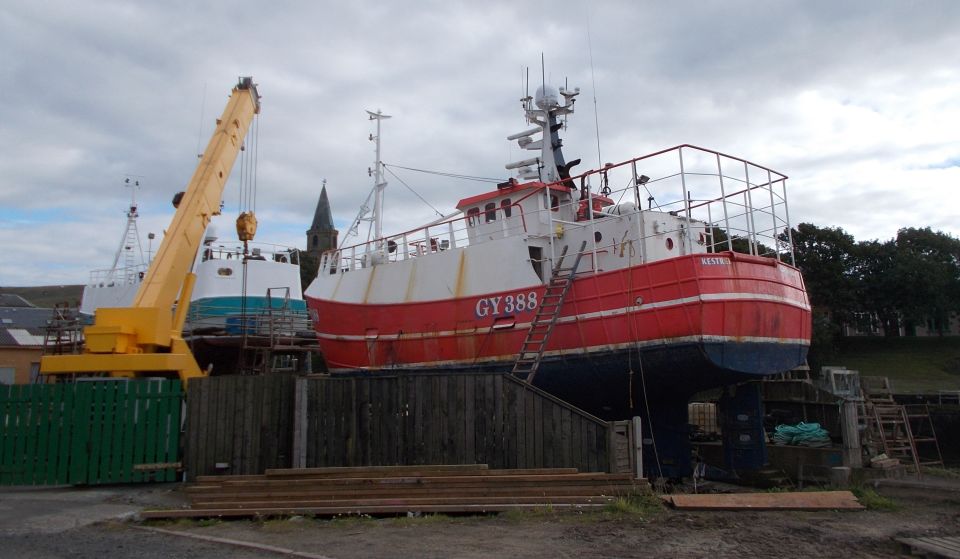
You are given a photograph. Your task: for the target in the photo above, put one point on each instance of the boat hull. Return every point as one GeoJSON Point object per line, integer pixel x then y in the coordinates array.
{"type": "Point", "coordinates": [747, 315]}
{"type": "Point", "coordinates": [635, 341]}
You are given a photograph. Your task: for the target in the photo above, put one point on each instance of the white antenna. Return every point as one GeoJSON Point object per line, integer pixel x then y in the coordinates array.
{"type": "Point", "coordinates": [379, 185]}
{"type": "Point", "coordinates": [593, 82]}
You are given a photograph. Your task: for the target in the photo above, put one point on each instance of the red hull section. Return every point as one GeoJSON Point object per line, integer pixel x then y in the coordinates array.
{"type": "Point", "coordinates": [724, 298]}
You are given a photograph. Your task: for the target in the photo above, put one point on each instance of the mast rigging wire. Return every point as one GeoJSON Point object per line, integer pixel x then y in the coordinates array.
{"type": "Point", "coordinates": [414, 191]}
{"type": "Point", "coordinates": [446, 174]}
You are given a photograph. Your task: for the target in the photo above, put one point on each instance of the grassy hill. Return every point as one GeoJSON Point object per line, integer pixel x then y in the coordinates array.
{"type": "Point", "coordinates": [47, 296]}
{"type": "Point", "coordinates": [911, 364]}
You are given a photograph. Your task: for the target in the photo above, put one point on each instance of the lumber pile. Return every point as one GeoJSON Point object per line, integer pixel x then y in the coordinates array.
{"type": "Point", "coordinates": [399, 490]}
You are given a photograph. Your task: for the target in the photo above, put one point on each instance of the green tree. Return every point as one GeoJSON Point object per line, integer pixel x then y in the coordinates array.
{"type": "Point", "coordinates": [308, 269]}
{"type": "Point", "coordinates": [825, 257]}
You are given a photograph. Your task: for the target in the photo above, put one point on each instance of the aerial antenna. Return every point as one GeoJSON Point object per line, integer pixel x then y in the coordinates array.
{"type": "Point", "coordinates": [593, 82]}
{"type": "Point", "coordinates": [543, 73]}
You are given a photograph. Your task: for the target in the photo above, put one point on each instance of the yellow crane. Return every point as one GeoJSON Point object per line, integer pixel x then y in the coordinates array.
{"type": "Point", "coordinates": [145, 339]}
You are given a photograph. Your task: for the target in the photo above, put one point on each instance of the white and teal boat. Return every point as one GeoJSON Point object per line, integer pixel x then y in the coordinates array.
{"type": "Point", "coordinates": [239, 293]}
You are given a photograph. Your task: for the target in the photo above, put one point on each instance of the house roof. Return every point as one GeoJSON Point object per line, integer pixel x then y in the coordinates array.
{"type": "Point", "coordinates": [24, 317]}
{"type": "Point", "coordinates": [21, 337]}
{"type": "Point", "coordinates": [13, 300]}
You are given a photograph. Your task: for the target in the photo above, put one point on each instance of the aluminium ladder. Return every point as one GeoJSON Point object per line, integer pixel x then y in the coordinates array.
{"type": "Point", "coordinates": [541, 327]}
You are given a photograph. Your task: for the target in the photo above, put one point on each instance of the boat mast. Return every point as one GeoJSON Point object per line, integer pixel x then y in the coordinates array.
{"type": "Point", "coordinates": [379, 185]}
{"type": "Point", "coordinates": [129, 241]}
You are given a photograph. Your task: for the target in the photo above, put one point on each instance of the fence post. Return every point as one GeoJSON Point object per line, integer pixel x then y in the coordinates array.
{"type": "Point", "coordinates": [300, 424]}
{"type": "Point", "coordinates": [636, 442]}
{"type": "Point", "coordinates": [852, 453]}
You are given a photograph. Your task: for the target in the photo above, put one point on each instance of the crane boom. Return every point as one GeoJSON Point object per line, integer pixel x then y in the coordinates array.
{"type": "Point", "coordinates": [146, 338]}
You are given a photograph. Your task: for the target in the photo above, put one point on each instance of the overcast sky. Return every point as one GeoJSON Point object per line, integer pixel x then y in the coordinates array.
{"type": "Point", "coordinates": [857, 102]}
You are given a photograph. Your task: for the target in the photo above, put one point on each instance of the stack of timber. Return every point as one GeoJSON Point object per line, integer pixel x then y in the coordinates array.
{"type": "Point", "coordinates": [384, 490]}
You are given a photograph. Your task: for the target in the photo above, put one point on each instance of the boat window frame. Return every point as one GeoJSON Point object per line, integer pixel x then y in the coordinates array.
{"type": "Point", "coordinates": [506, 207]}
{"type": "Point", "coordinates": [490, 212]}
{"type": "Point", "coordinates": [473, 216]}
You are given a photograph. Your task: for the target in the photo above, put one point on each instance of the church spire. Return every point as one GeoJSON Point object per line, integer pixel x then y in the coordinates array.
{"type": "Point", "coordinates": [322, 236]}
{"type": "Point", "coordinates": [323, 217]}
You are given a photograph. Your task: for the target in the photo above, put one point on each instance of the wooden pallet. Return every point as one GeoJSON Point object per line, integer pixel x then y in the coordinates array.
{"type": "Point", "coordinates": [401, 489]}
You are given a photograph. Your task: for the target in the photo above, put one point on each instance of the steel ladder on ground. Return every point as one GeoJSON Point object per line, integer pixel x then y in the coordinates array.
{"type": "Point", "coordinates": [541, 327]}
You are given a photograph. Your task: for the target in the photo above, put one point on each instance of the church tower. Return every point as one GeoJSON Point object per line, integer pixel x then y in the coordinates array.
{"type": "Point", "coordinates": [321, 236]}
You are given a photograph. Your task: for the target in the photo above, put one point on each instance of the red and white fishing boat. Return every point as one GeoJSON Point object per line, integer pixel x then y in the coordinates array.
{"type": "Point", "coordinates": [624, 289]}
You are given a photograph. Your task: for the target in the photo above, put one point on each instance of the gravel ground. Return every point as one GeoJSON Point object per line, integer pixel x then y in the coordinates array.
{"type": "Point", "coordinates": [37, 524]}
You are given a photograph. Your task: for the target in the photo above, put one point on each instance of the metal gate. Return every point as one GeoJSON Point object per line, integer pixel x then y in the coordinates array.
{"type": "Point", "coordinates": [90, 432]}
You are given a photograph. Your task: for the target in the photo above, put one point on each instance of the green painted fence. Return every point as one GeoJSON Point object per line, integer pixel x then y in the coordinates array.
{"type": "Point", "coordinates": [89, 432]}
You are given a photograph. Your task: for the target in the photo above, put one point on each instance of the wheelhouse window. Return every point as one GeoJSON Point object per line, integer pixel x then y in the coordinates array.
{"type": "Point", "coordinates": [506, 207]}
{"type": "Point", "coordinates": [554, 202]}
{"type": "Point", "coordinates": [473, 216]}
{"type": "Point", "coordinates": [490, 211]}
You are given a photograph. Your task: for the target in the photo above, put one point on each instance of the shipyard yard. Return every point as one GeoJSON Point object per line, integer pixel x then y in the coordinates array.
{"type": "Point", "coordinates": [437, 311]}
{"type": "Point", "coordinates": [101, 523]}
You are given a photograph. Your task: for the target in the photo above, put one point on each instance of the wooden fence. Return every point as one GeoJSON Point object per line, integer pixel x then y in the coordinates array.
{"type": "Point", "coordinates": [239, 424]}
{"type": "Point", "coordinates": [112, 431]}
{"type": "Point", "coordinates": [375, 420]}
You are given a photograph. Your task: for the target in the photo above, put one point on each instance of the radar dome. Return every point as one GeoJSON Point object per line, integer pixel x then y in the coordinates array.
{"type": "Point", "coordinates": [211, 235]}
{"type": "Point", "coordinates": [547, 97]}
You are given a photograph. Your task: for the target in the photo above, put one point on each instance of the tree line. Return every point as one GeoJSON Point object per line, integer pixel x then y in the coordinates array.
{"type": "Point", "coordinates": [895, 286]}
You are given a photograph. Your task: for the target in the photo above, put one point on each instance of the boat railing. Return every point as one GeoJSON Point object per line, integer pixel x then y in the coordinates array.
{"type": "Point", "coordinates": [739, 206]}
{"type": "Point", "coordinates": [437, 237]}
{"type": "Point", "coordinates": [256, 251]}
{"type": "Point", "coordinates": [110, 277]}
{"type": "Point", "coordinates": [742, 204]}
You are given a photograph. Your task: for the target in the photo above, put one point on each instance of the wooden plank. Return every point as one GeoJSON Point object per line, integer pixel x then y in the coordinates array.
{"type": "Point", "coordinates": [6, 432]}
{"type": "Point", "coordinates": [469, 416]}
{"type": "Point", "coordinates": [445, 478]}
{"type": "Point", "coordinates": [479, 469]}
{"type": "Point", "coordinates": [819, 500]}
{"type": "Point", "coordinates": [239, 404]}
{"type": "Point", "coordinates": [278, 497]}
{"type": "Point", "coordinates": [118, 430]}
{"type": "Point", "coordinates": [338, 511]}
{"type": "Point", "coordinates": [414, 501]}
{"type": "Point", "coordinates": [197, 402]}
{"type": "Point", "coordinates": [94, 428]}
{"type": "Point", "coordinates": [45, 433]}
{"type": "Point", "coordinates": [133, 441]}
{"type": "Point", "coordinates": [130, 429]}
{"type": "Point", "coordinates": [176, 428]}
{"type": "Point", "coordinates": [29, 458]}
{"type": "Point", "coordinates": [363, 421]}
{"type": "Point", "coordinates": [538, 447]}
{"type": "Point", "coordinates": [558, 436]}
{"type": "Point", "coordinates": [509, 445]}
{"type": "Point", "coordinates": [79, 436]}
{"type": "Point", "coordinates": [108, 420]}
{"type": "Point", "coordinates": [422, 385]}
{"type": "Point", "coordinates": [156, 412]}
{"type": "Point", "coordinates": [20, 421]}
{"type": "Point", "coordinates": [499, 423]}
{"type": "Point", "coordinates": [946, 547]}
